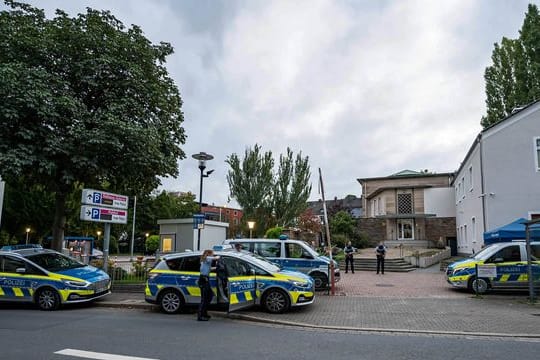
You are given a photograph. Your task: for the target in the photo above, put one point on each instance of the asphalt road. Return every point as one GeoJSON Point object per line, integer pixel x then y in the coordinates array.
{"type": "Point", "coordinates": [26, 333]}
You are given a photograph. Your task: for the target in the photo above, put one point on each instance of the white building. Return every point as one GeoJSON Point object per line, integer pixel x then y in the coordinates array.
{"type": "Point", "coordinates": [499, 179]}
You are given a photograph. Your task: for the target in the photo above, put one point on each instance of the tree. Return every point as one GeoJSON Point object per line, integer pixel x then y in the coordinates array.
{"type": "Point", "coordinates": [342, 223]}
{"type": "Point", "coordinates": [266, 197]}
{"type": "Point", "coordinates": [291, 188]}
{"type": "Point", "coordinates": [513, 80]}
{"type": "Point", "coordinates": [309, 222]}
{"type": "Point", "coordinates": [85, 101]}
{"type": "Point", "coordinates": [250, 183]}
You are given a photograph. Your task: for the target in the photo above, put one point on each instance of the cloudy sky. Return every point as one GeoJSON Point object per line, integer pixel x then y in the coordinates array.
{"type": "Point", "coordinates": [364, 88]}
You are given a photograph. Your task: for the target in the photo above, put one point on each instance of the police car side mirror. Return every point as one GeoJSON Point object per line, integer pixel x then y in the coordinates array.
{"type": "Point", "coordinates": [20, 271]}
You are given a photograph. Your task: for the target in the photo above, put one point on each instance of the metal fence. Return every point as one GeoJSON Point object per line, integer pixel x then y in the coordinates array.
{"type": "Point", "coordinates": [127, 272]}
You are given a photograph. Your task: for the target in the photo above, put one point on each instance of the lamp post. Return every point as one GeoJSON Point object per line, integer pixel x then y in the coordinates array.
{"type": "Point", "coordinates": [98, 235]}
{"type": "Point", "coordinates": [202, 157]}
{"type": "Point", "coordinates": [27, 232]}
{"type": "Point", "coordinates": [251, 225]}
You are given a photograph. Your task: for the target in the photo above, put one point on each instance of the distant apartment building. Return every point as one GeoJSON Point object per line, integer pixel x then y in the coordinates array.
{"type": "Point", "coordinates": [499, 179]}
{"type": "Point", "coordinates": [409, 208]}
{"type": "Point", "coordinates": [225, 214]}
{"type": "Point", "coordinates": [350, 203]}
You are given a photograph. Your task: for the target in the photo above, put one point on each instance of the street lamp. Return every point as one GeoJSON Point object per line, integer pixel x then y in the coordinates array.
{"type": "Point", "coordinates": [27, 232]}
{"type": "Point", "coordinates": [202, 157]}
{"type": "Point", "coordinates": [98, 235]}
{"type": "Point", "coordinates": [251, 225]}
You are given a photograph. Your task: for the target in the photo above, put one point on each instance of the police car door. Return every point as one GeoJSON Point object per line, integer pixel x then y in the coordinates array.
{"type": "Point", "coordinates": [241, 286]}
{"type": "Point", "coordinates": [510, 268]}
{"type": "Point", "coordinates": [13, 283]}
{"type": "Point", "coordinates": [297, 258]}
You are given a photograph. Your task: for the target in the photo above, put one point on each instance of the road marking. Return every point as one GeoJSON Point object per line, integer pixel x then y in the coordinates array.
{"type": "Point", "coordinates": [98, 356]}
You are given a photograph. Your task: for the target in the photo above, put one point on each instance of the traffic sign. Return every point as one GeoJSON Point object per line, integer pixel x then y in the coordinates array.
{"type": "Point", "coordinates": [198, 221]}
{"type": "Point", "coordinates": [101, 198]}
{"type": "Point", "coordinates": [100, 214]}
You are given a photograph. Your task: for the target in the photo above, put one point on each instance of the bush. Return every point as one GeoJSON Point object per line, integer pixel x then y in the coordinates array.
{"type": "Point", "coordinates": [274, 233]}
{"type": "Point", "coordinates": [339, 240]}
{"type": "Point", "coordinates": [152, 244]}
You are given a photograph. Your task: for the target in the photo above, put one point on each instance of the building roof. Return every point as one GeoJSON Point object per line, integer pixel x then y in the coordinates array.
{"type": "Point", "coordinates": [406, 174]}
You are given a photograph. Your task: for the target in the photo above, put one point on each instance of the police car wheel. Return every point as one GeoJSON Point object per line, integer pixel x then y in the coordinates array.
{"type": "Point", "coordinates": [276, 301]}
{"type": "Point", "coordinates": [48, 299]}
{"type": "Point", "coordinates": [171, 302]}
{"type": "Point", "coordinates": [321, 281]}
{"type": "Point", "coordinates": [481, 284]}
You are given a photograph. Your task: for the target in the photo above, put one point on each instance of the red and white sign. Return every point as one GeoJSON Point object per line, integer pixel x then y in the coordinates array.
{"type": "Point", "coordinates": [99, 214]}
{"type": "Point", "coordinates": [101, 198]}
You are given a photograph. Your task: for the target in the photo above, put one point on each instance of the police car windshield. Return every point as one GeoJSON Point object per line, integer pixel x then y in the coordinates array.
{"type": "Point", "coordinates": [54, 262]}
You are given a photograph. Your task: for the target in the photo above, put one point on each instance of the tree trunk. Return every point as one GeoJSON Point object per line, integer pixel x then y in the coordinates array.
{"type": "Point", "coordinates": [59, 221]}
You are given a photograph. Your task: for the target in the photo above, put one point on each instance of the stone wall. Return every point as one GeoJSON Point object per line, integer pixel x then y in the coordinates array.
{"type": "Point", "coordinates": [440, 227]}
{"type": "Point", "coordinates": [374, 228]}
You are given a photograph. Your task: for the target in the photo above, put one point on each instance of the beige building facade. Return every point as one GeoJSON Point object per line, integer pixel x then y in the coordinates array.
{"type": "Point", "coordinates": [414, 208]}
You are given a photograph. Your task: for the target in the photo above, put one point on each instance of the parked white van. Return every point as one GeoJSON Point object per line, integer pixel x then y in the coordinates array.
{"type": "Point", "coordinates": [292, 255]}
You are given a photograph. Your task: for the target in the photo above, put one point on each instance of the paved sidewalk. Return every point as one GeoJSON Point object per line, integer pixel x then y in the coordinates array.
{"type": "Point", "coordinates": [416, 302]}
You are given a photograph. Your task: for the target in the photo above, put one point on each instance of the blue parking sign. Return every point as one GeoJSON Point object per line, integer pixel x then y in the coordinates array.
{"type": "Point", "coordinates": [97, 198]}
{"type": "Point", "coordinates": [95, 213]}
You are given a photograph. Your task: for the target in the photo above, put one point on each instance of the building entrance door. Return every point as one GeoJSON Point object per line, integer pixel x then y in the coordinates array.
{"type": "Point", "coordinates": [405, 229]}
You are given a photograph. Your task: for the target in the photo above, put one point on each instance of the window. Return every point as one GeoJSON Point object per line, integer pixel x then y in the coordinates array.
{"type": "Point", "coordinates": [296, 251]}
{"type": "Point", "coordinates": [535, 252]}
{"type": "Point", "coordinates": [191, 263]}
{"type": "Point", "coordinates": [537, 152]}
{"type": "Point", "coordinates": [268, 249]}
{"type": "Point", "coordinates": [465, 234]}
{"type": "Point", "coordinates": [473, 221]}
{"type": "Point", "coordinates": [470, 179]}
{"type": "Point", "coordinates": [11, 265]}
{"type": "Point", "coordinates": [463, 187]}
{"type": "Point", "coordinates": [174, 264]}
{"type": "Point", "coordinates": [405, 229]}
{"type": "Point", "coordinates": [404, 203]}
{"type": "Point", "coordinates": [509, 253]}
{"type": "Point", "coordinates": [236, 267]}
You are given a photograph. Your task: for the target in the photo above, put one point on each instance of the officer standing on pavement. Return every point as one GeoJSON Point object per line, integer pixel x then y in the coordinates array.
{"type": "Point", "coordinates": [380, 251]}
{"type": "Point", "coordinates": [349, 250]}
{"type": "Point", "coordinates": [204, 284]}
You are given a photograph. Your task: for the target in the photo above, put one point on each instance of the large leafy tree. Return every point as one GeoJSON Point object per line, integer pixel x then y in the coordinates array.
{"type": "Point", "coordinates": [85, 101]}
{"type": "Point", "coordinates": [291, 188]}
{"type": "Point", "coordinates": [513, 80]}
{"type": "Point", "coordinates": [250, 183]}
{"type": "Point", "coordinates": [267, 197]}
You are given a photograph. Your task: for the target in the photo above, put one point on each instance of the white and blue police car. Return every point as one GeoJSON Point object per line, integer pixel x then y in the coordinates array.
{"type": "Point", "coordinates": [49, 279]}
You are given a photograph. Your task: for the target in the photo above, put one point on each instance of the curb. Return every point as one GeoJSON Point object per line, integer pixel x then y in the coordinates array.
{"type": "Point", "coordinates": [235, 316]}
{"type": "Point", "coordinates": [379, 330]}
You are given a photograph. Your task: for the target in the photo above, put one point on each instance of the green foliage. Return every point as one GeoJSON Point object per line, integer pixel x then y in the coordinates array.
{"type": "Point", "coordinates": [513, 79]}
{"type": "Point", "coordinates": [152, 243]}
{"type": "Point", "coordinates": [340, 240]}
{"type": "Point", "coordinates": [84, 101]}
{"type": "Point", "coordinates": [342, 223]}
{"type": "Point", "coordinates": [113, 244]}
{"type": "Point", "coordinates": [274, 233]}
{"type": "Point", "coordinates": [291, 188]}
{"type": "Point", "coordinates": [250, 183]}
{"type": "Point", "coordinates": [266, 197]}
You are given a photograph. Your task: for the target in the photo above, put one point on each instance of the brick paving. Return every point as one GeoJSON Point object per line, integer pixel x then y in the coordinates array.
{"type": "Point", "coordinates": [418, 301]}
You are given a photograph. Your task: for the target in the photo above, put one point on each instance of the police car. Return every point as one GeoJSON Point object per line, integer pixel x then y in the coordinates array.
{"type": "Point", "coordinates": [510, 268]}
{"type": "Point", "coordinates": [49, 279]}
{"type": "Point", "coordinates": [293, 255]}
{"type": "Point", "coordinates": [172, 283]}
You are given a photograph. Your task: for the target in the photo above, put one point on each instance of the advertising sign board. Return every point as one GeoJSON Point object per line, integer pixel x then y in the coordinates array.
{"type": "Point", "coordinates": [99, 214]}
{"type": "Point", "coordinates": [101, 198]}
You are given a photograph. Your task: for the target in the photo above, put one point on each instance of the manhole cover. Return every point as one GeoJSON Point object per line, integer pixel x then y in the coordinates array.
{"type": "Point", "coordinates": [384, 285]}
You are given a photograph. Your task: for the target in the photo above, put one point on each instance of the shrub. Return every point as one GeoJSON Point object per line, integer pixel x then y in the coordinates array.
{"type": "Point", "coordinates": [152, 244]}
{"type": "Point", "coordinates": [274, 233]}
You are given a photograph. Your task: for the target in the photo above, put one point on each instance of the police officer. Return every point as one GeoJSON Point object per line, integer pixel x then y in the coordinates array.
{"type": "Point", "coordinates": [380, 251]}
{"type": "Point", "coordinates": [204, 284]}
{"type": "Point", "coordinates": [349, 250]}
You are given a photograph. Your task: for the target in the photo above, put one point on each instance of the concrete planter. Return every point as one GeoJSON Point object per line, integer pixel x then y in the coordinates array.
{"type": "Point", "coordinates": [427, 261]}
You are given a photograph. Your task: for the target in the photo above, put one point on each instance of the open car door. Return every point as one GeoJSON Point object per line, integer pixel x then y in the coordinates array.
{"type": "Point", "coordinates": [242, 284]}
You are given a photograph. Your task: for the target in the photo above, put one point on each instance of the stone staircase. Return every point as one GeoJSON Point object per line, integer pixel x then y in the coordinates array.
{"type": "Point", "coordinates": [370, 264]}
